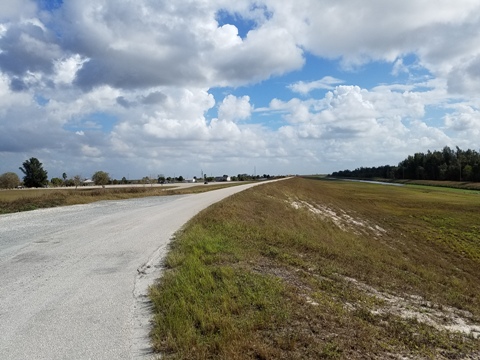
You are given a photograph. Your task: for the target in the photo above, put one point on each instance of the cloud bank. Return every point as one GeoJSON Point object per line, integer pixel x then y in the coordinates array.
{"type": "Point", "coordinates": [146, 87]}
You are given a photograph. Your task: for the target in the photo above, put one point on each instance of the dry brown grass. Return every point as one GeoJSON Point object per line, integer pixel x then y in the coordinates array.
{"type": "Point", "coordinates": [31, 199]}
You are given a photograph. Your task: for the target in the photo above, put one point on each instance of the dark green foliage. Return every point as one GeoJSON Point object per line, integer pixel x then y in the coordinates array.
{"type": "Point", "coordinates": [35, 175]}
{"type": "Point", "coordinates": [70, 182]}
{"type": "Point", "coordinates": [385, 172]}
{"type": "Point", "coordinates": [56, 182]}
{"type": "Point", "coordinates": [447, 164]}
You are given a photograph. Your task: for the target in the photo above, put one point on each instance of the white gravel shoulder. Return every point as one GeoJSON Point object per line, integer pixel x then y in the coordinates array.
{"type": "Point", "coordinates": [75, 279]}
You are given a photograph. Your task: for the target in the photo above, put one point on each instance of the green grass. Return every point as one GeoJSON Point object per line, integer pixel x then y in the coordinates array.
{"type": "Point", "coordinates": [446, 184]}
{"type": "Point", "coordinates": [270, 274]}
{"type": "Point", "coordinates": [452, 185]}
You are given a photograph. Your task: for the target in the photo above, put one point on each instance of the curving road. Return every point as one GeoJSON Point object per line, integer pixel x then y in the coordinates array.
{"type": "Point", "coordinates": [74, 279]}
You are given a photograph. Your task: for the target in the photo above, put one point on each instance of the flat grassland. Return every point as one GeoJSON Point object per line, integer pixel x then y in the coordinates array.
{"type": "Point", "coordinates": [31, 199]}
{"type": "Point", "coordinates": [319, 269]}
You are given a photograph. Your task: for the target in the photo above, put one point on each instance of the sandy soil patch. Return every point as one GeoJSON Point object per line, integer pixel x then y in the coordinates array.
{"type": "Point", "coordinates": [342, 219]}
{"type": "Point", "coordinates": [415, 307]}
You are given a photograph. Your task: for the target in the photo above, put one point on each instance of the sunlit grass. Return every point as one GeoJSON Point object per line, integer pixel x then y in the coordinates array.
{"type": "Point", "coordinates": [31, 199]}
{"type": "Point", "coordinates": [270, 273]}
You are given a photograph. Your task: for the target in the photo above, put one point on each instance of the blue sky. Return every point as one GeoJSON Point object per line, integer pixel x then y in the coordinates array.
{"type": "Point", "coordinates": [142, 88]}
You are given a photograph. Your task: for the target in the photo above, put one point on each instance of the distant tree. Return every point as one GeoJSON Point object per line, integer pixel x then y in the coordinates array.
{"type": "Point", "coordinates": [124, 180]}
{"type": "Point", "coordinates": [35, 175]}
{"type": "Point", "coordinates": [69, 183]}
{"type": "Point", "coordinates": [145, 180]}
{"type": "Point", "coordinates": [180, 178]}
{"type": "Point", "coordinates": [64, 176]}
{"type": "Point", "coordinates": [101, 178]}
{"type": "Point", "coordinates": [9, 180]}
{"type": "Point", "coordinates": [77, 181]}
{"type": "Point", "coordinates": [57, 182]}
{"type": "Point", "coordinates": [467, 173]}
{"type": "Point", "coordinates": [161, 179]}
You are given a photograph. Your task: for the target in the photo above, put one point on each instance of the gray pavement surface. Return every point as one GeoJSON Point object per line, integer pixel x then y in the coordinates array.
{"type": "Point", "coordinates": [74, 279]}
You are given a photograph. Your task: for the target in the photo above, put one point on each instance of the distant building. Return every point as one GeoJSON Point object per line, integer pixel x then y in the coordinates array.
{"type": "Point", "coordinates": [88, 182]}
{"type": "Point", "coordinates": [223, 178]}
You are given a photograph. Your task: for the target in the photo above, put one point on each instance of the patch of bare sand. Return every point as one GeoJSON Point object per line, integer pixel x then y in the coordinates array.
{"type": "Point", "coordinates": [340, 218]}
{"type": "Point", "coordinates": [415, 307]}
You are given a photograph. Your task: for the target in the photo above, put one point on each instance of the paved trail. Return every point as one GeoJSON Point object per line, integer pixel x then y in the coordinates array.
{"type": "Point", "coordinates": [74, 279]}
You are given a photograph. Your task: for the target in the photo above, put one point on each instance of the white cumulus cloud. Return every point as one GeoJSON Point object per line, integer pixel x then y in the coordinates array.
{"type": "Point", "coordinates": [136, 84]}
{"type": "Point", "coordinates": [235, 108]}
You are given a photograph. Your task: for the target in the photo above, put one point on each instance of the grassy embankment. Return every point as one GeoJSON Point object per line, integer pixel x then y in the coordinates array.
{"type": "Point", "coordinates": [31, 199]}
{"type": "Point", "coordinates": [311, 269]}
{"type": "Point", "coordinates": [464, 185]}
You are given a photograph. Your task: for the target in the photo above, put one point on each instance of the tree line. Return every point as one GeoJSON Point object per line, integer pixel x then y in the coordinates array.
{"type": "Point", "coordinates": [446, 164]}
{"type": "Point", "coordinates": [35, 176]}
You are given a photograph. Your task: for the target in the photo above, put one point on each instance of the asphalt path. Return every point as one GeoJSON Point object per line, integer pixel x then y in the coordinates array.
{"type": "Point", "coordinates": [74, 279]}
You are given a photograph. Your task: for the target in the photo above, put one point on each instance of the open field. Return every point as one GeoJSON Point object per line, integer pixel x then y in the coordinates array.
{"type": "Point", "coordinates": [461, 185]}
{"type": "Point", "coordinates": [31, 199]}
{"type": "Point", "coordinates": [312, 269]}
{"type": "Point", "coordinates": [447, 184]}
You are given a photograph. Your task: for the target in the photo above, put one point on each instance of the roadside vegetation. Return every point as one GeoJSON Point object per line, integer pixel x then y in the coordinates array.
{"type": "Point", "coordinates": [31, 199]}
{"type": "Point", "coordinates": [317, 269]}
{"type": "Point", "coordinates": [446, 184]}
{"type": "Point", "coordinates": [459, 165]}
